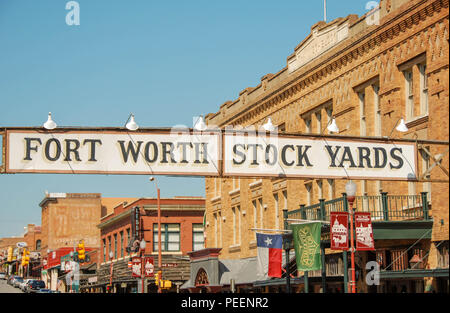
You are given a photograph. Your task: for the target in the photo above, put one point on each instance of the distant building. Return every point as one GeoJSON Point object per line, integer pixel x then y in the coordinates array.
{"type": "Point", "coordinates": [67, 218]}
{"type": "Point", "coordinates": [181, 233]}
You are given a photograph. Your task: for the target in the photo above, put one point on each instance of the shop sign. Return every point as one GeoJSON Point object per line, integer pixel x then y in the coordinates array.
{"type": "Point", "coordinates": [339, 230]}
{"type": "Point", "coordinates": [21, 244]}
{"type": "Point", "coordinates": [169, 265]}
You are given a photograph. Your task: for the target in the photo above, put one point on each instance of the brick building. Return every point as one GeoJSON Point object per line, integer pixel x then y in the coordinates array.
{"type": "Point", "coordinates": [67, 218]}
{"type": "Point", "coordinates": [368, 72]}
{"type": "Point", "coordinates": [181, 232]}
{"type": "Point", "coordinates": [9, 264]}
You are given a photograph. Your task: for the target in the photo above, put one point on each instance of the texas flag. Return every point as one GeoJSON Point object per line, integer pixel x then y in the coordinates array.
{"type": "Point", "coordinates": [269, 255]}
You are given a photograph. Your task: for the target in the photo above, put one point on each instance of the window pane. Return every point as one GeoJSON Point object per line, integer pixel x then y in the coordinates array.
{"type": "Point", "coordinates": [174, 237]}
{"type": "Point", "coordinates": [174, 246]}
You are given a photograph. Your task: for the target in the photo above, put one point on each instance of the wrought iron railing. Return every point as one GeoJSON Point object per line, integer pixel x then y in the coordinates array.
{"type": "Point", "coordinates": [383, 207]}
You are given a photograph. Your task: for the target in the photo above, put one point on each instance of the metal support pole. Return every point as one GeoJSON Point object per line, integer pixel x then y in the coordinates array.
{"type": "Point", "coordinates": [286, 246]}
{"type": "Point", "coordinates": [159, 240]}
{"type": "Point", "coordinates": [353, 281]}
{"type": "Point", "coordinates": [288, 273]}
{"type": "Point", "coordinates": [344, 253]}
{"type": "Point", "coordinates": [425, 205]}
{"type": "Point", "coordinates": [324, 270]}
{"type": "Point", "coordinates": [305, 274]}
{"type": "Point", "coordinates": [384, 203]}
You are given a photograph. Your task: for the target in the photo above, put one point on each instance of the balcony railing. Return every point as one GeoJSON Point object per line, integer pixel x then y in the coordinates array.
{"type": "Point", "coordinates": [383, 207]}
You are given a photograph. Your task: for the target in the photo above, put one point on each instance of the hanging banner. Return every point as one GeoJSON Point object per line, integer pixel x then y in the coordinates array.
{"type": "Point", "coordinates": [339, 230]}
{"type": "Point", "coordinates": [136, 267]}
{"type": "Point", "coordinates": [148, 267]}
{"type": "Point", "coordinates": [364, 231]}
{"type": "Point", "coordinates": [307, 245]}
{"type": "Point", "coordinates": [109, 152]}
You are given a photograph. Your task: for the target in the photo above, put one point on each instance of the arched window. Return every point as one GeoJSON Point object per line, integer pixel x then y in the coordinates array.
{"type": "Point", "coordinates": [202, 278]}
{"type": "Point", "coordinates": [38, 245]}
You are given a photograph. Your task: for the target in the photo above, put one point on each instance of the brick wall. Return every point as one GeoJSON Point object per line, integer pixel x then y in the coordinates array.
{"type": "Point", "coordinates": [372, 56]}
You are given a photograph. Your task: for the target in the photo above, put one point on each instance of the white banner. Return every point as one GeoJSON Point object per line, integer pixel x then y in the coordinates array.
{"type": "Point", "coordinates": [284, 156]}
{"type": "Point", "coordinates": [103, 152]}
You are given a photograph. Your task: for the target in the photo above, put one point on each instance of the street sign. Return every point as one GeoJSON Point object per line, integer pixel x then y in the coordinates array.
{"type": "Point", "coordinates": [169, 265]}
{"type": "Point", "coordinates": [148, 267]}
{"type": "Point", "coordinates": [21, 244]}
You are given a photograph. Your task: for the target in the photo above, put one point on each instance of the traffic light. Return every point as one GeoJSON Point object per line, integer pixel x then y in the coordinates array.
{"type": "Point", "coordinates": [25, 257]}
{"type": "Point", "coordinates": [81, 251]}
{"type": "Point", "coordinates": [157, 278]}
{"type": "Point", "coordinates": [10, 254]}
{"type": "Point", "coordinates": [166, 284]}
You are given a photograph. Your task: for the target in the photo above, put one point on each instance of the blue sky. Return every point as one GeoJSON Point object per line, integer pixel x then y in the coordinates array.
{"type": "Point", "coordinates": [165, 61]}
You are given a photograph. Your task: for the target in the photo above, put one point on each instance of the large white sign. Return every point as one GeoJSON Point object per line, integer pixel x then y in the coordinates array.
{"type": "Point", "coordinates": [186, 153]}
{"type": "Point", "coordinates": [251, 155]}
{"type": "Point", "coordinates": [103, 152]}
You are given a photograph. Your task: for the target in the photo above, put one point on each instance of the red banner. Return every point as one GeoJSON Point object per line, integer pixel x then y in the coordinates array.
{"type": "Point", "coordinates": [339, 230]}
{"type": "Point", "coordinates": [364, 232]}
{"type": "Point", "coordinates": [148, 267]}
{"type": "Point", "coordinates": [136, 267]}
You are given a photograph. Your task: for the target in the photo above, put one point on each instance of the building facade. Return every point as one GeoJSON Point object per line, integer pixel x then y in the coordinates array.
{"type": "Point", "coordinates": [181, 232]}
{"type": "Point", "coordinates": [368, 73]}
{"type": "Point", "coordinates": [67, 219]}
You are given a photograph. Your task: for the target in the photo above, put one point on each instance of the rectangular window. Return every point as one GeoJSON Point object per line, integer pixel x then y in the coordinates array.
{"type": "Point", "coordinates": [261, 213]}
{"type": "Point", "coordinates": [409, 93]}
{"type": "Point", "coordinates": [216, 230]}
{"type": "Point", "coordinates": [109, 250]}
{"type": "Point", "coordinates": [320, 188]}
{"type": "Point", "coordinates": [319, 122]}
{"type": "Point", "coordinates": [423, 89]}
{"type": "Point", "coordinates": [115, 246]}
{"type": "Point", "coordinates": [220, 230]}
{"type": "Point", "coordinates": [329, 117]}
{"type": "Point", "coordinates": [308, 194]}
{"type": "Point", "coordinates": [128, 236]}
{"type": "Point", "coordinates": [275, 198]}
{"type": "Point", "coordinates": [236, 225]}
{"type": "Point", "coordinates": [330, 189]}
{"type": "Point", "coordinates": [255, 217]}
{"type": "Point", "coordinates": [308, 125]}
{"type": "Point", "coordinates": [198, 237]}
{"type": "Point", "coordinates": [362, 113]}
{"type": "Point", "coordinates": [104, 250]}
{"type": "Point", "coordinates": [170, 237]}
{"type": "Point", "coordinates": [239, 224]}
{"type": "Point", "coordinates": [425, 165]}
{"type": "Point", "coordinates": [377, 109]}
{"type": "Point", "coordinates": [121, 244]}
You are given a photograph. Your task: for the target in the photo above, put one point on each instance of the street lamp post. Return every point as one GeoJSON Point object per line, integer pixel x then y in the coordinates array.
{"type": "Point", "coordinates": [142, 246]}
{"type": "Point", "coordinates": [350, 189]}
{"type": "Point", "coordinates": [159, 233]}
{"type": "Point", "coordinates": [111, 254]}
{"type": "Point", "coordinates": [48, 264]}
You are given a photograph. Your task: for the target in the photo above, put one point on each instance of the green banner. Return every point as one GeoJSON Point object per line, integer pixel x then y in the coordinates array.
{"type": "Point", "coordinates": [307, 245]}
